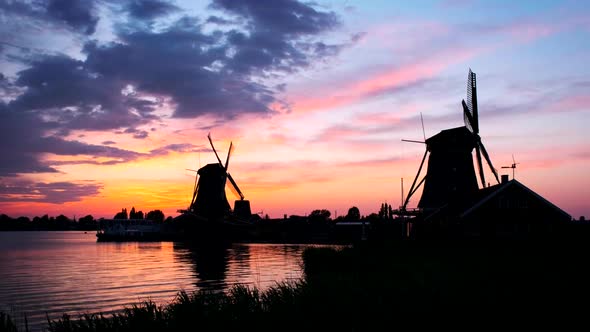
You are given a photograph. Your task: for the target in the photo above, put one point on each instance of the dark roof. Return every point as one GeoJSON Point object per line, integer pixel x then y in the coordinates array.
{"type": "Point", "coordinates": [486, 194]}
{"type": "Point", "coordinates": [459, 137]}
{"type": "Point", "coordinates": [465, 207]}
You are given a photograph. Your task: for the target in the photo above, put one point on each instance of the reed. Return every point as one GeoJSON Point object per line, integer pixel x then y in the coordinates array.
{"type": "Point", "coordinates": [6, 323]}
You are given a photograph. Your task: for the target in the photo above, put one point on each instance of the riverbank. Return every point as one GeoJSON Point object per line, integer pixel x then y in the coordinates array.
{"type": "Point", "coordinates": [380, 286]}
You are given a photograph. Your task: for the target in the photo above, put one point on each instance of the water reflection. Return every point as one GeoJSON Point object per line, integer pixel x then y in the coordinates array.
{"type": "Point", "coordinates": [50, 273]}
{"type": "Point", "coordinates": [210, 264]}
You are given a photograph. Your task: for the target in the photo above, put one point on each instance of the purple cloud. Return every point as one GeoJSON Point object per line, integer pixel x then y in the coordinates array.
{"type": "Point", "coordinates": [54, 193]}
{"type": "Point", "coordinates": [149, 9]}
{"type": "Point", "coordinates": [78, 15]}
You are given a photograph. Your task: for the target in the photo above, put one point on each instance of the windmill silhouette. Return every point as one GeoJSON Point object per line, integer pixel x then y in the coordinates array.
{"type": "Point", "coordinates": [513, 166]}
{"type": "Point", "coordinates": [209, 199]}
{"type": "Point", "coordinates": [450, 174]}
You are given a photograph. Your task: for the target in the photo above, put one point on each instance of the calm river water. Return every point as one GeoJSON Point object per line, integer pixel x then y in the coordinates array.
{"type": "Point", "coordinates": [50, 273]}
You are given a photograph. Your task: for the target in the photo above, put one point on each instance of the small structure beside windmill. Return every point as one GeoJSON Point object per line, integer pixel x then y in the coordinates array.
{"type": "Point", "coordinates": [452, 202]}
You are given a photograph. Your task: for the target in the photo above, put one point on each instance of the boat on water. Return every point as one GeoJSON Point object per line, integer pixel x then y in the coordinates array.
{"type": "Point", "coordinates": [128, 229]}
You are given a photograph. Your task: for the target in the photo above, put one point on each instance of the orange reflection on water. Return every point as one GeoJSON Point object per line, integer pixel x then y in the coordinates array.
{"type": "Point", "coordinates": [51, 273]}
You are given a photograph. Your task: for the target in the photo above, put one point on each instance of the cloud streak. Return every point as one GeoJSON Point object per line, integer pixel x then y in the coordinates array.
{"type": "Point", "coordinates": [54, 193]}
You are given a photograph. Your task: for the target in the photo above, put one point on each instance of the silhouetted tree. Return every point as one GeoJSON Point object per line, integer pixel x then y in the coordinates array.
{"type": "Point", "coordinates": [319, 215]}
{"type": "Point", "coordinates": [386, 211]}
{"type": "Point", "coordinates": [155, 215]}
{"type": "Point", "coordinates": [6, 222]}
{"type": "Point", "coordinates": [62, 219]}
{"type": "Point", "coordinates": [23, 220]}
{"type": "Point", "coordinates": [122, 214]}
{"type": "Point", "coordinates": [61, 222]}
{"type": "Point", "coordinates": [87, 219]}
{"type": "Point", "coordinates": [135, 214]}
{"type": "Point", "coordinates": [87, 222]}
{"type": "Point", "coordinates": [353, 214]}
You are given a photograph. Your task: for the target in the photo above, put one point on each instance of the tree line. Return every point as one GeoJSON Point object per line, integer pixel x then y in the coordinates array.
{"type": "Point", "coordinates": [64, 223]}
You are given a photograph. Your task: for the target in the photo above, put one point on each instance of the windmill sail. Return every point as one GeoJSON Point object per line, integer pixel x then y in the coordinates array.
{"type": "Point", "coordinates": [471, 124]}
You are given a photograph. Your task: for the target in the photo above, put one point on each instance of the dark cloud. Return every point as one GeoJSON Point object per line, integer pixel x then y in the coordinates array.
{"type": "Point", "coordinates": [137, 133]}
{"type": "Point", "coordinates": [179, 147]}
{"type": "Point", "coordinates": [19, 143]}
{"type": "Point", "coordinates": [180, 62]}
{"type": "Point", "coordinates": [23, 143]}
{"type": "Point", "coordinates": [204, 73]}
{"type": "Point", "coordinates": [78, 15]}
{"type": "Point", "coordinates": [65, 90]}
{"type": "Point", "coordinates": [63, 147]}
{"type": "Point", "coordinates": [150, 9]}
{"type": "Point", "coordinates": [108, 143]}
{"type": "Point", "coordinates": [121, 84]}
{"type": "Point", "coordinates": [8, 90]}
{"type": "Point", "coordinates": [220, 20]}
{"type": "Point", "coordinates": [55, 193]}
{"type": "Point", "coordinates": [282, 17]}
{"type": "Point", "coordinates": [277, 37]}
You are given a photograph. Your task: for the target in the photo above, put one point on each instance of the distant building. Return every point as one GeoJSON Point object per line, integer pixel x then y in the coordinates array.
{"type": "Point", "coordinates": [507, 210]}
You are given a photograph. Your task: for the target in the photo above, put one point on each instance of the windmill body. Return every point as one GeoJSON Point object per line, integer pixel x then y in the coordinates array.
{"type": "Point", "coordinates": [450, 174]}
{"type": "Point", "coordinates": [211, 201]}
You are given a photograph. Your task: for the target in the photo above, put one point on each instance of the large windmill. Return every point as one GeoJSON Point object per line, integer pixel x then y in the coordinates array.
{"type": "Point", "coordinates": [451, 175]}
{"type": "Point", "coordinates": [209, 199]}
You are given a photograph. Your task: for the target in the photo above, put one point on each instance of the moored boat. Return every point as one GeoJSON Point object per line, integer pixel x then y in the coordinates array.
{"type": "Point", "coordinates": [128, 229]}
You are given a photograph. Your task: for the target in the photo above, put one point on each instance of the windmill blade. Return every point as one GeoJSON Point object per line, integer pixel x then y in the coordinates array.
{"type": "Point", "coordinates": [485, 154]}
{"type": "Point", "coordinates": [195, 192]}
{"type": "Point", "coordinates": [467, 118]}
{"type": "Point", "coordinates": [480, 166]}
{"type": "Point", "coordinates": [235, 186]}
{"type": "Point", "coordinates": [472, 101]}
{"type": "Point", "coordinates": [411, 192]}
{"type": "Point", "coordinates": [472, 98]}
{"type": "Point", "coordinates": [228, 154]}
{"type": "Point", "coordinates": [423, 131]}
{"type": "Point", "coordinates": [212, 147]}
{"type": "Point", "coordinates": [412, 141]}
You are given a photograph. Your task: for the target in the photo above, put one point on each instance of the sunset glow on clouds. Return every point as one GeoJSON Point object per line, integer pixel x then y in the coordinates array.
{"type": "Point", "coordinates": [106, 104]}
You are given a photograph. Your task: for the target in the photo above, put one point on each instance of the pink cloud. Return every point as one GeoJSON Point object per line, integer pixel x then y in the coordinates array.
{"type": "Point", "coordinates": [400, 76]}
{"type": "Point", "coordinates": [572, 103]}
{"type": "Point", "coordinates": [529, 31]}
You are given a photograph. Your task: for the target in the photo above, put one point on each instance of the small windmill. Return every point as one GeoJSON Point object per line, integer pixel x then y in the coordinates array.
{"type": "Point", "coordinates": [209, 199]}
{"type": "Point", "coordinates": [513, 166]}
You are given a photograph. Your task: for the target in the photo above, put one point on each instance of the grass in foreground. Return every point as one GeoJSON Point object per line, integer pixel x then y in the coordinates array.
{"type": "Point", "coordinates": [239, 308]}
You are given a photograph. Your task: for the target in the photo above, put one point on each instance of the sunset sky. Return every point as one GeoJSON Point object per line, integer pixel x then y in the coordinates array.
{"type": "Point", "coordinates": [104, 104]}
